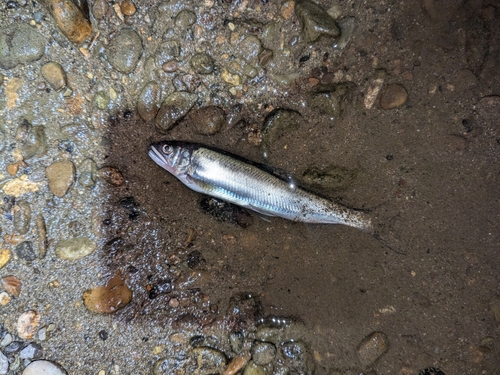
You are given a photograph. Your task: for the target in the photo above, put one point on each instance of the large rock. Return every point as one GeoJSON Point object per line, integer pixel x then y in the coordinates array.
{"type": "Point", "coordinates": [315, 21]}
{"type": "Point", "coordinates": [70, 19]}
{"type": "Point", "coordinates": [173, 109]}
{"type": "Point", "coordinates": [21, 45]}
{"type": "Point", "coordinates": [125, 50]}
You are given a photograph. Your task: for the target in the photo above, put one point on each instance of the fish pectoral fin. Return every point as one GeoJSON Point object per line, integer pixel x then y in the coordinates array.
{"type": "Point", "coordinates": [259, 211]}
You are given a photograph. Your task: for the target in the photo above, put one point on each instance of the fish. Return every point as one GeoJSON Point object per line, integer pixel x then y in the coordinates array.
{"type": "Point", "coordinates": [229, 178]}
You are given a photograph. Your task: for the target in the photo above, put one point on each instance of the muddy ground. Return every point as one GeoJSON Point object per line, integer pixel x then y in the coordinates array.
{"type": "Point", "coordinates": [425, 170]}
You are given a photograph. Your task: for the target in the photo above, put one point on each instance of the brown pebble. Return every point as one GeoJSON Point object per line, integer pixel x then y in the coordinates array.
{"type": "Point", "coordinates": [70, 20]}
{"type": "Point", "coordinates": [208, 120]}
{"type": "Point", "coordinates": [237, 363]}
{"type": "Point", "coordinates": [128, 8]}
{"type": "Point", "coordinates": [393, 96]}
{"type": "Point", "coordinates": [372, 347]}
{"type": "Point", "coordinates": [313, 81]}
{"type": "Point", "coordinates": [12, 285]}
{"type": "Point", "coordinates": [100, 8]}
{"type": "Point", "coordinates": [111, 175]}
{"type": "Point", "coordinates": [43, 243]}
{"type": "Point", "coordinates": [41, 86]}
{"type": "Point", "coordinates": [54, 74]}
{"type": "Point", "coordinates": [170, 66]}
{"type": "Point", "coordinates": [174, 302]}
{"type": "Point", "coordinates": [12, 239]}
{"type": "Point", "coordinates": [61, 176]}
{"type": "Point", "coordinates": [5, 256]}
{"type": "Point", "coordinates": [27, 323]}
{"type": "Point", "coordinates": [13, 168]}
{"type": "Point", "coordinates": [108, 298]}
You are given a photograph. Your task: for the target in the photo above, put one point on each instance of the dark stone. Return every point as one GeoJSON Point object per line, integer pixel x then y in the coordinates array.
{"type": "Point", "coordinates": [20, 45]}
{"type": "Point", "coordinates": [26, 251]}
{"type": "Point", "coordinates": [124, 51]}
{"type": "Point", "coordinates": [195, 259]}
{"type": "Point", "coordinates": [226, 212]}
{"type": "Point", "coordinates": [315, 21]}
{"type": "Point", "coordinates": [103, 335]}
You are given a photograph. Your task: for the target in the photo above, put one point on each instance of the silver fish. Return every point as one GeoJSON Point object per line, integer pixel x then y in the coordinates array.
{"type": "Point", "coordinates": [228, 178]}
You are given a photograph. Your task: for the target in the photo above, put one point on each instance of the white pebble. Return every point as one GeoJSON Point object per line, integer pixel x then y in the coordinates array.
{"type": "Point", "coordinates": [43, 368]}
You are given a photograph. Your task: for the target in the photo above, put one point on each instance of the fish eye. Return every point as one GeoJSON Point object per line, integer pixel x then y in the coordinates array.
{"type": "Point", "coordinates": [167, 149]}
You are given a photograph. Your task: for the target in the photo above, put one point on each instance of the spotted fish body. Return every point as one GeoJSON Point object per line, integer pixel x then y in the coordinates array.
{"type": "Point", "coordinates": [228, 178]}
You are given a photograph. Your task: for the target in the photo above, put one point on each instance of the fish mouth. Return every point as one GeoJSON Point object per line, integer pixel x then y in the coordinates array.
{"type": "Point", "coordinates": [157, 157]}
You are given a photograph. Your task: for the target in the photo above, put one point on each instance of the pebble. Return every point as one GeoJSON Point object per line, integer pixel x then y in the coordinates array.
{"type": "Point", "coordinates": [5, 298]}
{"type": "Point", "coordinates": [4, 364]}
{"type": "Point", "coordinates": [263, 353]}
{"type": "Point", "coordinates": [173, 109]}
{"type": "Point", "coordinates": [55, 75]}
{"type": "Point", "coordinates": [70, 20]}
{"type": "Point", "coordinates": [75, 248]}
{"type": "Point", "coordinates": [111, 175]}
{"type": "Point", "coordinates": [21, 45]}
{"type": "Point", "coordinates": [393, 96]}
{"type": "Point", "coordinates": [202, 63]}
{"type": "Point", "coordinates": [99, 9]}
{"type": "Point", "coordinates": [236, 364]}
{"type": "Point", "coordinates": [252, 369]}
{"type": "Point", "coordinates": [184, 19]}
{"type": "Point", "coordinates": [233, 79]}
{"type": "Point", "coordinates": [27, 323]}
{"type": "Point", "coordinates": [22, 217]}
{"type": "Point", "coordinates": [43, 367]}
{"type": "Point", "coordinates": [208, 120]}
{"type": "Point", "coordinates": [170, 66]}
{"type": "Point", "coordinates": [167, 51]}
{"type": "Point", "coordinates": [12, 285]}
{"type": "Point", "coordinates": [236, 341]}
{"type": "Point", "coordinates": [6, 340]}
{"type": "Point", "coordinates": [372, 347]}
{"type": "Point", "coordinates": [12, 169]}
{"type": "Point", "coordinates": [295, 356]}
{"type": "Point", "coordinates": [109, 298]}
{"type": "Point", "coordinates": [374, 89]}
{"type": "Point", "coordinates": [32, 351]}
{"type": "Point", "coordinates": [26, 251]}
{"type": "Point", "coordinates": [149, 101]}
{"type": "Point", "coordinates": [33, 140]}
{"type": "Point", "coordinates": [128, 8]}
{"type": "Point", "coordinates": [315, 21]}
{"type": "Point", "coordinates": [287, 9]}
{"type": "Point", "coordinates": [102, 99]}
{"type": "Point", "coordinates": [208, 361]}
{"type": "Point", "coordinates": [61, 176]}
{"type": "Point", "coordinates": [226, 212]}
{"type": "Point", "coordinates": [124, 50]}
{"type": "Point", "coordinates": [265, 56]}
{"type": "Point", "coordinates": [5, 256]}
{"type": "Point", "coordinates": [87, 173]}
{"type": "Point", "coordinates": [347, 26]}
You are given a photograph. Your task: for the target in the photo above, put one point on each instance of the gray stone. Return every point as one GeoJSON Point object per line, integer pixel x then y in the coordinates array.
{"type": "Point", "coordinates": [208, 120]}
{"type": "Point", "coordinates": [173, 109]}
{"type": "Point", "coordinates": [25, 251]}
{"type": "Point", "coordinates": [315, 21]}
{"type": "Point", "coordinates": [75, 248]}
{"type": "Point", "coordinates": [4, 364]}
{"type": "Point", "coordinates": [167, 51]}
{"type": "Point", "coordinates": [124, 50]}
{"type": "Point", "coordinates": [87, 173]}
{"type": "Point", "coordinates": [33, 140]}
{"type": "Point", "coordinates": [249, 48]}
{"type": "Point", "coordinates": [347, 26]}
{"type": "Point", "coordinates": [45, 368]}
{"type": "Point", "coordinates": [207, 361]}
{"type": "Point", "coordinates": [22, 217]}
{"type": "Point", "coordinates": [32, 351]}
{"type": "Point", "coordinates": [20, 45]}
{"type": "Point", "coordinates": [202, 63]}
{"type": "Point", "coordinates": [295, 356]}
{"type": "Point", "coordinates": [149, 101]}
{"type": "Point", "coordinates": [263, 353]}
{"type": "Point", "coordinates": [184, 19]}
{"type": "Point", "coordinates": [6, 340]}
{"type": "Point", "coordinates": [55, 75]}
{"type": "Point", "coordinates": [372, 347]}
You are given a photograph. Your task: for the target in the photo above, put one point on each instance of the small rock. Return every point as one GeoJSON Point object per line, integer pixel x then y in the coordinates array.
{"type": "Point", "coordinates": [232, 79]}
{"type": "Point", "coordinates": [6, 340]}
{"type": "Point", "coordinates": [43, 367]}
{"type": "Point", "coordinates": [109, 298]}
{"type": "Point", "coordinates": [33, 140]}
{"type": "Point", "coordinates": [170, 66]}
{"type": "Point", "coordinates": [99, 9]}
{"type": "Point", "coordinates": [149, 101]}
{"type": "Point", "coordinates": [208, 361]}
{"type": "Point", "coordinates": [13, 168]}
{"type": "Point", "coordinates": [41, 236]}
{"type": "Point", "coordinates": [315, 21]}
{"type": "Point", "coordinates": [22, 217]}
{"type": "Point", "coordinates": [75, 248]}
{"type": "Point", "coordinates": [202, 63]}
{"type": "Point", "coordinates": [393, 96]}
{"type": "Point", "coordinates": [32, 351]}
{"type": "Point", "coordinates": [21, 45]}
{"type": "Point", "coordinates": [236, 341]}
{"type": "Point", "coordinates": [226, 212]}
{"type": "Point", "coordinates": [208, 120]}
{"type": "Point", "coordinates": [5, 298]}
{"type": "Point", "coordinates": [102, 99]}
{"type": "Point", "coordinates": [128, 8]}
{"type": "Point", "coordinates": [295, 356]}
{"type": "Point", "coordinates": [263, 353]}
{"type": "Point", "coordinates": [184, 19]}
{"type": "Point", "coordinates": [278, 124]}
{"type": "Point", "coordinates": [4, 364]}
{"type": "Point", "coordinates": [124, 50]}
{"type": "Point", "coordinates": [249, 48]}
{"type": "Point", "coordinates": [265, 57]}
{"type": "Point", "coordinates": [87, 173]}
{"type": "Point", "coordinates": [236, 364]}
{"type": "Point", "coordinates": [287, 9]}
{"type": "Point", "coordinates": [25, 251]}
{"type": "Point", "coordinates": [55, 75]}
{"type": "Point", "coordinates": [14, 347]}
{"type": "Point", "coordinates": [330, 100]}
{"type": "Point", "coordinates": [173, 109]}
{"type": "Point", "coordinates": [70, 20]}
{"type": "Point", "coordinates": [5, 256]}
{"type": "Point", "coordinates": [374, 88]}
{"type": "Point", "coordinates": [167, 51]}
{"type": "Point", "coordinates": [61, 176]}
{"type": "Point", "coordinates": [347, 26]}
{"type": "Point", "coordinates": [372, 347]}
{"type": "Point", "coordinates": [252, 369]}
{"type": "Point", "coordinates": [27, 323]}
{"type": "Point", "coordinates": [12, 285]}
{"type": "Point", "coordinates": [111, 175]}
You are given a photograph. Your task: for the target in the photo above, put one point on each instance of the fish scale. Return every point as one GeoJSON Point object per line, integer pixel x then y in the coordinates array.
{"type": "Point", "coordinates": [228, 178]}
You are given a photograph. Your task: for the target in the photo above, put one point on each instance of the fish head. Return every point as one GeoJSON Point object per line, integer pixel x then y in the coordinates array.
{"type": "Point", "coordinates": [173, 156]}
